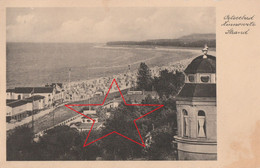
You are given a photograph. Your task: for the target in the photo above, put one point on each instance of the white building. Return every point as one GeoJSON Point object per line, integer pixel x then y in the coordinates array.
{"type": "Point", "coordinates": [21, 93]}
{"type": "Point", "coordinates": [17, 110]}
{"type": "Point", "coordinates": [112, 104]}
{"type": "Point", "coordinates": [38, 102]}
{"type": "Point", "coordinates": [196, 111]}
{"type": "Point", "coordinates": [59, 95]}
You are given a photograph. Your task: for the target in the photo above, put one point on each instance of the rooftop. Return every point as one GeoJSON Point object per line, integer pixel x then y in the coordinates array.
{"type": "Point", "coordinates": [10, 100]}
{"type": "Point", "coordinates": [198, 90]}
{"type": "Point", "coordinates": [16, 103]}
{"type": "Point", "coordinates": [202, 64]}
{"type": "Point", "coordinates": [85, 126]}
{"type": "Point", "coordinates": [35, 97]}
{"type": "Point", "coordinates": [90, 116]}
{"type": "Point", "coordinates": [33, 90]}
{"type": "Point", "coordinates": [54, 84]}
{"type": "Point", "coordinates": [9, 90]}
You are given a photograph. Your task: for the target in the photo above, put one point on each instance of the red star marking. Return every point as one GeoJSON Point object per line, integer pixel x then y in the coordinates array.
{"type": "Point", "coordinates": [114, 81]}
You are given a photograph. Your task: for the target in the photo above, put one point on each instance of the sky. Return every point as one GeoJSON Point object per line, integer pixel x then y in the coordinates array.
{"type": "Point", "coordinates": [106, 24]}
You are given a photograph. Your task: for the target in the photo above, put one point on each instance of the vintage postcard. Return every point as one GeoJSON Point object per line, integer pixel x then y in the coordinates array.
{"type": "Point", "coordinates": [130, 83]}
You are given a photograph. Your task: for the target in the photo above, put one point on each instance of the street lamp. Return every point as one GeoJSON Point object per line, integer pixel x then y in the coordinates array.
{"type": "Point", "coordinates": [32, 93]}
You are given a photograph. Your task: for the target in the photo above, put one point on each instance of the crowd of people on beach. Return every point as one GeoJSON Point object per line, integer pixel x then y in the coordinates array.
{"type": "Point", "coordinates": [83, 90]}
{"type": "Point", "coordinates": [86, 89]}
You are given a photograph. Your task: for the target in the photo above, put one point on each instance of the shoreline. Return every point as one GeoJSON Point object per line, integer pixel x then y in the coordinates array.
{"type": "Point", "coordinates": [192, 51]}
{"type": "Point", "coordinates": [185, 61]}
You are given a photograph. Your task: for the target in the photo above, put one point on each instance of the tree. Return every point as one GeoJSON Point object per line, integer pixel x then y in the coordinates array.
{"type": "Point", "coordinates": [64, 143]}
{"type": "Point", "coordinates": [56, 142]}
{"type": "Point", "coordinates": [20, 144]}
{"type": "Point", "coordinates": [101, 113]}
{"type": "Point", "coordinates": [90, 152]}
{"type": "Point", "coordinates": [116, 147]}
{"type": "Point", "coordinates": [161, 147]}
{"type": "Point", "coordinates": [164, 127]}
{"type": "Point", "coordinates": [168, 84]}
{"type": "Point", "coordinates": [144, 79]}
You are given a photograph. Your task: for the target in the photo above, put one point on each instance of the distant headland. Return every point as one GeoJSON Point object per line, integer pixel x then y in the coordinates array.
{"type": "Point", "coordinates": [192, 40]}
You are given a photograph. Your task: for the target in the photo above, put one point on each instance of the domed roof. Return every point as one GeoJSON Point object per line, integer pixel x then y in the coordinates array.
{"type": "Point", "coordinates": [202, 64]}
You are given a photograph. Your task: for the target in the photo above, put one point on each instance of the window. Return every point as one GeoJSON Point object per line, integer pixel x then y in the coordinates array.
{"type": "Point", "coordinates": [191, 78]}
{"type": "Point", "coordinates": [185, 123]}
{"type": "Point", "coordinates": [201, 124]}
{"type": "Point", "coordinates": [204, 79]}
{"type": "Point", "coordinates": [19, 97]}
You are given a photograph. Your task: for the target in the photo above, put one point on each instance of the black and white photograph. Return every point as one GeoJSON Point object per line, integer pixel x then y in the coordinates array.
{"type": "Point", "coordinates": [123, 83]}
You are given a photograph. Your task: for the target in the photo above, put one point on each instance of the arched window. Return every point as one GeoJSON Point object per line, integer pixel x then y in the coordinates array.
{"type": "Point", "coordinates": [204, 79]}
{"type": "Point", "coordinates": [191, 78]}
{"type": "Point", "coordinates": [185, 123]}
{"type": "Point", "coordinates": [19, 97]}
{"type": "Point", "coordinates": [201, 124]}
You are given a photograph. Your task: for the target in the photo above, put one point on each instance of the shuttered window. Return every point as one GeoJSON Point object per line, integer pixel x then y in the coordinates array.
{"type": "Point", "coordinates": [186, 124]}
{"type": "Point", "coordinates": [201, 124]}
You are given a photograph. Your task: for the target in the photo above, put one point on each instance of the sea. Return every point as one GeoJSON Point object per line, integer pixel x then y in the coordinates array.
{"type": "Point", "coordinates": [37, 64]}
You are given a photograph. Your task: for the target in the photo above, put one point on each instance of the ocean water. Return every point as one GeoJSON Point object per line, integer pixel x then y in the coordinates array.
{"type": "Point", "coordinates": [36, 64]}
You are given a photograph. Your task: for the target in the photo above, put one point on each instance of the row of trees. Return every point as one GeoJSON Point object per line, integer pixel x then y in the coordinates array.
{"type": "Point", "coordinates": [65, 143]}
{"type": "Point", "coordinates": [167, 84]}
{"type": "Point", "coordinates": [60, 143]}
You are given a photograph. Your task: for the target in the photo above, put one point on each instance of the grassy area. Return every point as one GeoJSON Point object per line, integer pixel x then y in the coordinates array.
{"type": "Point", "coordinates": [63, 113]}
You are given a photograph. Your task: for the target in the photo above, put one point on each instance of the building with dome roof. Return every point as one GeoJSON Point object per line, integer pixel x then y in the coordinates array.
{"type": "Point", "coordinates": [196, 111]}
